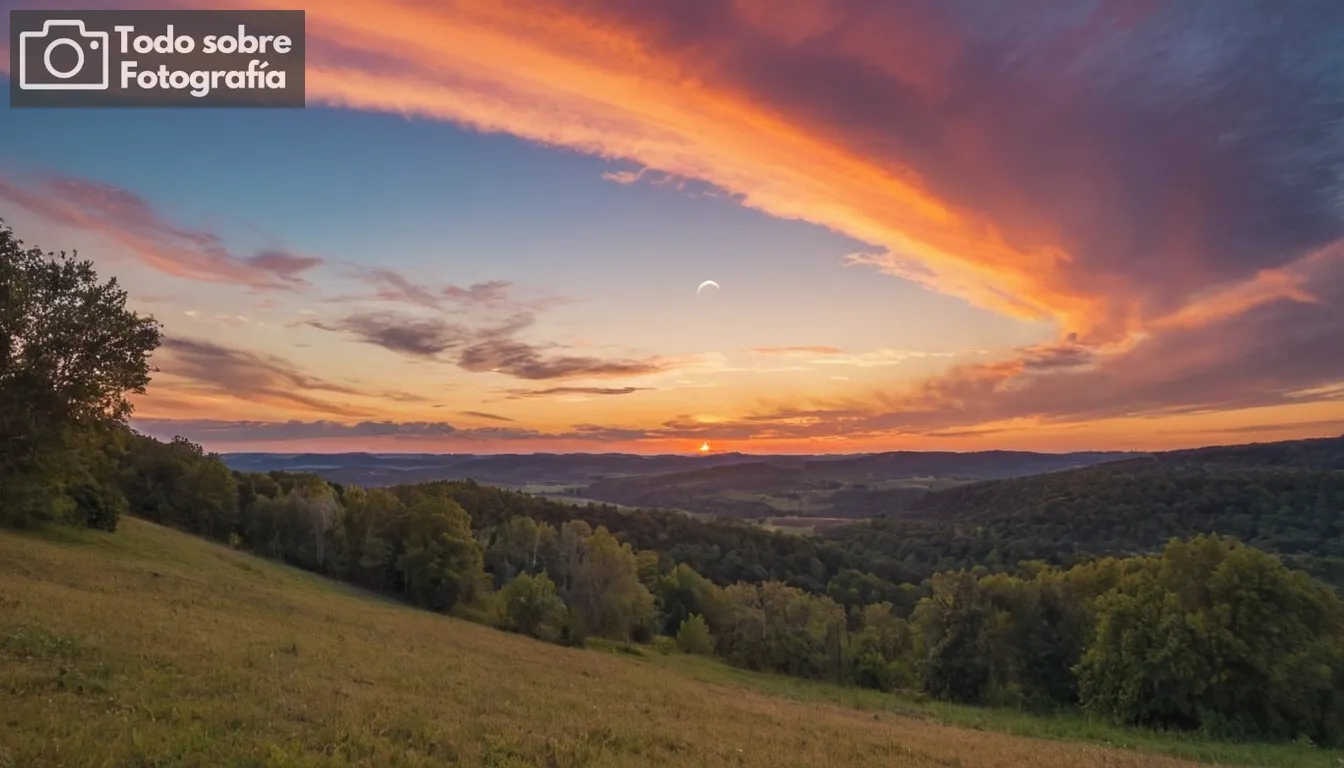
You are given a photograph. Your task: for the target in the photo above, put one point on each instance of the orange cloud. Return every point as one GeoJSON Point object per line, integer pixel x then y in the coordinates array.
{"type": "Point", "coordinates": [1043, 165]}
{"type": "Point", "coordinates": [558, 76]}
{"type": "Point", "coordinates": [1043, 186]}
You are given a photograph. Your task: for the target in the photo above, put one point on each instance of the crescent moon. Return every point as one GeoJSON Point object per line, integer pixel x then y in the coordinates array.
{"type": "Point", "coordinates": [707, 282]}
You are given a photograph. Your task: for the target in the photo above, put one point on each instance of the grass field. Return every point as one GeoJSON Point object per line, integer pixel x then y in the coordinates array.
{"type": "Point", "coordinates": [152, 648]}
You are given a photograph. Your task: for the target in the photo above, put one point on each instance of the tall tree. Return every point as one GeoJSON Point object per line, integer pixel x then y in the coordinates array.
{"type": "Point", "coordinates": [70, 352]}
{"type": "Point", "coordinates": [607, 594]}
{"type": "Point", "coordinates": [441, 565]}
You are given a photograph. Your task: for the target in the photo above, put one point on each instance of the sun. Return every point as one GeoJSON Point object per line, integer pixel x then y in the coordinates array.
{"type": "Point", "coordinates": [704, 447]}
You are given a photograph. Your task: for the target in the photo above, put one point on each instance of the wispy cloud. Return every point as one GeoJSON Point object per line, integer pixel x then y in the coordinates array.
{"type": "Point", "coordinates": [489, 349]}
{"type": "Point", "coordinates": [392, 286]}
{"type": "Point", "coordinates": [226, 432]}
{"type": "Point", "coordinates": [822, 355]}
{"type": "Point", "coordinates": [795, 351]}
{"type": "Point", "coordinates": [492, 292]}
{"type": "Point", "coordinates": [205, 366]}
{"type": "Point", "coordinates": [527, 361]}
{"type": "Point", "coordinates": [522, 394]}
{"type": "Point", "coordinates": [126, 218]}
{"type": "Point", "coordinates": [484, 415]}
{"type": "Point", "coordinates": [417, 337]}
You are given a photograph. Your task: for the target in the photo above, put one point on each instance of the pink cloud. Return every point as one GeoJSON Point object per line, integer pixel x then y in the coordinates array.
{"type": "Point", "coordinates": [127, 219]}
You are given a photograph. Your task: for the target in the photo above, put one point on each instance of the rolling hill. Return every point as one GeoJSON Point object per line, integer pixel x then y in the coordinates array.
{"type": "Point", "coordinates": [151, 647]}
{"type": "Point", "coordinates": [1286, 498]}
{"type": "Point", "coordinates": [585, 469]}
{"type": "Point", "coordinates": [832, 487]}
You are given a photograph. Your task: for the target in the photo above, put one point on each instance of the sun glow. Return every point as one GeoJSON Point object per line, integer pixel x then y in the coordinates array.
{"type": "Point", "coordinates": [704, 447]}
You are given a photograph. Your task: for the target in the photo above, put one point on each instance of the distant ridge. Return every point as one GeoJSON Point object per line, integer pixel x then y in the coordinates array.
{"type": "Point", "coordinates": [375, 469]}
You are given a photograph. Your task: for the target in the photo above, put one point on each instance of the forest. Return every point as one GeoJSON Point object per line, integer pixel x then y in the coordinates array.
{"type": "Point", "coordinates": [1020, 606]}
{"type": "Point", "coordinates": [1287, 506]}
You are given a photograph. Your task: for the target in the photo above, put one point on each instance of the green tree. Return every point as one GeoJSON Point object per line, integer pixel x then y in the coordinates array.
{"type": "Point", "coordinates": [883, 649]}
{"type": "Point", "coordinates": [649, 567]}
{"type": "Point", "coordinates": [683, 592]}
{"type": "Point", "coordinates": [531, 605]}
{"type": "Point", "coordinates": [365, 552]}
{"type": "Point", "coordinates": [1216, 636]}
{"type": "Point", "coordinates": [70, 352]}
{"type": "Point", "coordinates": [954, 621]}
{"type": "Point", "coordinates": [777, 627]}
{"type": "Point", "coordinates": [179, 485]}
{"type": "Point", "coordinates": [441, 564]}
{"type": "Point", "coordinates": [94, 483]}
{"type": "Point", "coordinates": [607, 594]}
{"type": "Point", "coordinates": [693, 636]}
{"type": "Point", "coordinates": [519, 545]}
{"type": "Point", "coordinates": [570, 548]}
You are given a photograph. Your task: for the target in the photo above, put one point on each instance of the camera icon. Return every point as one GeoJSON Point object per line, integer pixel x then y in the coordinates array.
{"type": "Point", "coordinates": [44, 62]}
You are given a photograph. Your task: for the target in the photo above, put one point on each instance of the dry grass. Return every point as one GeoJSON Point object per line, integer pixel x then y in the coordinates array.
{"type": "Point", "coordinates": [149, 647]}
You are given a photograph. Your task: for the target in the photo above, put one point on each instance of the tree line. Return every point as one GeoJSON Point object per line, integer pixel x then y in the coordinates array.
{"type": "Point", "coordinates": [1208, 635]}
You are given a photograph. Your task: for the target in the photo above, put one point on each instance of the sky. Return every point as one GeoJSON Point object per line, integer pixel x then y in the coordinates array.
{"type": "Point", "coordinates": [935, 224]}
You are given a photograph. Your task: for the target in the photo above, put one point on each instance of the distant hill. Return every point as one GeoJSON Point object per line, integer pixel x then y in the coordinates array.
{"type": "Point", "coordinates": [1285, 497]}
{"type": "Point", "coordinates": [730, 485]}
{"type": "Point", "coordinates": [1168, 479]}
{"type": "Point", "coordinates": [1315, 453]}
{"type": "Point", "coordinates": [846, 486]}
{"type": "Point", "coordinates": [372, 470]}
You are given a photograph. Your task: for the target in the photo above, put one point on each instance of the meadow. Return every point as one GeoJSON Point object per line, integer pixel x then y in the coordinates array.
{"type": "Point", "coordinates": [150, 647]}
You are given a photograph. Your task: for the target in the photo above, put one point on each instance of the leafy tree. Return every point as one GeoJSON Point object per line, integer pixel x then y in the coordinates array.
{"type": "Point", "coordinates": [883, 649]}
{"type": "Point", "coordinates": [1215, 636]}
{"type": "Point", "coordinates": [693, 636]}
{"type": "Point", "coordinates": [571, 547]}
{"type": "Point", "coordinates": [649, 566]}
{"type": "Point", "coordinates": [683, 592]}
{"type": "Point", "coordinates": [607, 594]}
{"type": "Point", "coordinates": [94, 477]}
{"type": "Point", "coordinates": [774, 626]}
{"type": "Point", "coordinates": [531, 605]}
{"type": "Point", "coordinates": [441, 563]}
{"type": "Point", "coordinates": [954, 622]}
{"type": "Point", "coordinates": [363, 552]}
{"type": "Point", "coordinates": [179, 485]}
{"type": "Point", "coordinates": [519, 545]}
{"type": "Point", "coordinates": [70, 352]}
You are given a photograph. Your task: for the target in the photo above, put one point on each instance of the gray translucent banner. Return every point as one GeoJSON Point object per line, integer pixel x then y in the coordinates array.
{"type": "Point", "coordinates": [156, 59]}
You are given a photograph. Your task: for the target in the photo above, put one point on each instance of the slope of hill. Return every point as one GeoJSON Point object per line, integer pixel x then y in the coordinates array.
{"type": "Point", "coordinates": [841, 486]}
{"type": "Point", "coordinates": [1285, 498]}
{"type": "Point", "coordinates": [151, 647]}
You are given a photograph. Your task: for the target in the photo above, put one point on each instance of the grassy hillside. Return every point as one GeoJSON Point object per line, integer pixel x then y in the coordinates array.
{"type": "Point", "coordinates": [150, 647]}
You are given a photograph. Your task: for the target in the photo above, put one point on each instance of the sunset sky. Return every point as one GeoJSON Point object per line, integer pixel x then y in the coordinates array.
{"type": "Point", "coordinates": [936, 224]}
